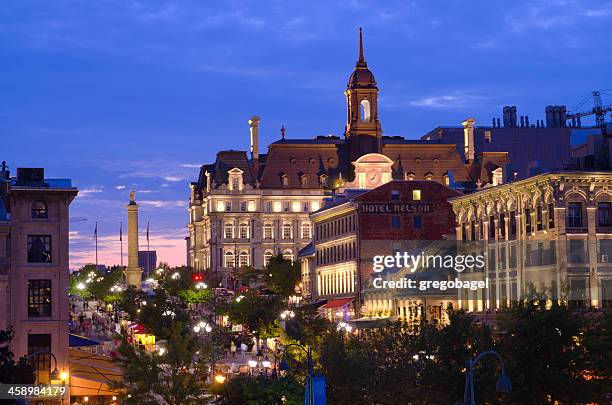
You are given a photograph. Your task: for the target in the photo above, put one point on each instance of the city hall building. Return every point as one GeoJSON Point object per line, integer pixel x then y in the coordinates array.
{"type": "Point", "coordinates": [549, 236]}
{"type": "Point", "coordinates": [246, 207]}
{"type": "Point", "coordinates": [357, 225]}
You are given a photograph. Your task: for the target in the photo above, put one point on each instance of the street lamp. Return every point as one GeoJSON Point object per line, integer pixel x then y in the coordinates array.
{"type": "Point", "coordinates": [80, 286]}
{"type": "Point", "coordinates": [503, 383]}
{"type": "Point", "coordinates": [287, 314]}
{"type": "Point", "coordinates": [56, 374]}
{"type": "Point", "coordinates": [309, 400]}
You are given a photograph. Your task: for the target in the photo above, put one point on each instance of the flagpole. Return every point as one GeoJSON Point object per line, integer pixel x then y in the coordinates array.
{"type": "Point", "coordinates": [96, 238]}
{"type": "Point", "coordinates": [121, 240]}
{"type": "Point", "coordinates": [148, 251]}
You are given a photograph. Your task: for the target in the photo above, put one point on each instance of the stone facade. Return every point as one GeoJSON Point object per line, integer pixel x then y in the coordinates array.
{"type": "Point", "coordinates": [34, 274]}
{"type": "Point", "coordinates": [550, 234]}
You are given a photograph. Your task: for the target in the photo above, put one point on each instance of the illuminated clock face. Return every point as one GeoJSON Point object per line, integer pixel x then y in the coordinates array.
{"type": "Point", "coordinates": [372, 176]}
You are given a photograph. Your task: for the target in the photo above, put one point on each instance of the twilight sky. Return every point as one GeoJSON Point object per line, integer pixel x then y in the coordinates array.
{"type": "Point", "coordinates": [120, 94]}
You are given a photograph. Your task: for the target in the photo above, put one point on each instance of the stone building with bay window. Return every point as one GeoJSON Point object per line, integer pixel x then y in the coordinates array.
{"type": "Point", "coordinates": [548, 235]}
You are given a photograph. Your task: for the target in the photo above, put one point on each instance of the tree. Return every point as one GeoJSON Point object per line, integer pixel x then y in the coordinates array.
{"type": "Point", "coordinates": [283, 275]}
{"type": "Point", "coordinates": [261, 391]}
{"type": "Point", "coordinates": [169, 378]}
{"type": "Point", "coordinates": [257, 312]}
{"type": "Point", "coordinates": [11, 371]}
{"type": "Point", "coordinates": [556, 354]}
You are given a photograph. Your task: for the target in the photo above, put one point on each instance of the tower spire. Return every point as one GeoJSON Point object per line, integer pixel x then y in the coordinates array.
{"type": "Point", "coordinates": [361, 60]}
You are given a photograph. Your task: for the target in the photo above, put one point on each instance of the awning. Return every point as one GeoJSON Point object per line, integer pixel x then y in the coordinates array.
{"type": "Point", "coordinates": [370, 323]}
{"type": "Point", "coordinates": [92, 374]}
{"type": "Point", "coordinates": [338, 303]}
{"type": "Point", "coordinates": [80, 341]}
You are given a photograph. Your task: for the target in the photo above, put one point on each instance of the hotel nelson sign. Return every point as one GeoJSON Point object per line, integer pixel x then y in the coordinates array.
{"type": "Point", "coordinates": [396, 208]}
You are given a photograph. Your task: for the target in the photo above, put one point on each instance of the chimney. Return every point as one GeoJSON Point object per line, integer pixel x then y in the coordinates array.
{"type": "Point", "coordinates": [5, 174]}
{"type": "Point", "coordinates": [513, 120]}
{"type": "Point", "coordinates": [526, 120]}
{"type": "Point", "coordinates": [549, 116]}
{"type": "Point", "coordinates": [498, 123]}
{"type": "Point", "coordinates": [562, 116]}
{"type": "Point", "coordinates": [468, 139]}
{"type": "Point", "coordinates": [506, 116]}
{"type": "Point", "coordinates": [254, 131]}
{"type": "Point", "coordinates": [522, 121]}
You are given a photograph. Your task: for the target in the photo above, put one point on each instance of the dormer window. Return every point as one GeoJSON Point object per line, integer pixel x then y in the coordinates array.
{"type": "Point", "coordinates": [39, 210]}
{"type": "Point", "coordinates": [235, 179]}
{"type": "Point", "coordinates": [410, 176]}
{"type": "Point", "coordinates": [284, 180]}
{"type": "Point", "coordinates": [304, 180]}
{"type": "Point", "coordinates": [429, 176]}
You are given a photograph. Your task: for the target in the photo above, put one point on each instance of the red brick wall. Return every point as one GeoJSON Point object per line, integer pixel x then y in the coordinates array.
{"type": "Point", "coordinates": [439, 221]}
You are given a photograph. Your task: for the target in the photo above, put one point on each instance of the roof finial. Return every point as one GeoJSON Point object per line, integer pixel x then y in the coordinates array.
{"type": "Point", "coordinates": [283, 132]}
{"type": "Point", "coordinates": [361, 61]}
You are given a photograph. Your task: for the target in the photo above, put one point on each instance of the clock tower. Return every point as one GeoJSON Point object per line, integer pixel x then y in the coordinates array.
{"type": "Point", "coordinates": [363, 128]}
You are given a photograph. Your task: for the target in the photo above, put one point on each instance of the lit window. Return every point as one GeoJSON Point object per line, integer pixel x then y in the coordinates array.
{"type": "Point", "coordinates": [295, 206]}
{"type": "Point", "coordinates": [416, 195]}
{"type": "Point", "coordinates": [268, 231]}
{"type": "Point", "coordinates": [278, 206]}
{"type": "Point", "coordinates": [251, 206]}
{"type": "Point", "coordinates": [243, 259]}
{"type": "Point", "coordinates": [244, 230]}
{"type": "Point", "coordinates": [267, 257]}
{"type": "Point", "coordinates": [288, 255]}
{"type": "Point", "coordinates": [220, 206]}
{"type": "Point", "coordinates": [229, 230]}
{"type": "Point", "coordinates": [487, 136]}
{"type": "Point", "coordinates": [229, 259]}
{"type": "Point", "coordinates": [315, 206]}
{"type": "Point", "coordinates": [286, 231]}
{"type": "Point", "coordinates": [306, 230]}
{"type": "Point", "coordinates": [39, 210]}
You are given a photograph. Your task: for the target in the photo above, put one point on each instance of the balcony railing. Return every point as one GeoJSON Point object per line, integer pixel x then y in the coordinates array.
{"type": "Point", "coordinates": [576, 229]}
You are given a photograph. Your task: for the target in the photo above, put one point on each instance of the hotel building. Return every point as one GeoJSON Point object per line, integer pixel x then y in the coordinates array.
{"type": "Point", "coordinates": [34, 275]}
{"type": "Point", "coordinates": [357, 225]}
{"type": "Point", "coordinates": [549, 235]}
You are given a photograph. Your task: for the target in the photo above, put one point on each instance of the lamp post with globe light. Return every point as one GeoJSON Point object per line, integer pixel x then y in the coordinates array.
{"type": "Point", "coordinates": [503, 383]}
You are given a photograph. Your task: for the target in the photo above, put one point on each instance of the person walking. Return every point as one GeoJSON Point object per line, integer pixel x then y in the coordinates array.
{"type": "Point", "coordinates": [243, 349]}
{"type": "Point", "coordinates": [233, 348]}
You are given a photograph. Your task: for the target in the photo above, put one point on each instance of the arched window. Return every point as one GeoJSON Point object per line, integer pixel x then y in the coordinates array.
{"type": "Point", "coordinates": [268, 231]}
{"type": "Point", "coordinates": [305, 230]}
{"type": "Point", "coordinates": [243, 259]}
{"type": "Point", "coordinates": [267, 256]}
{"type": "Point", "coordinates": [229, 259]}
{"type": "Point", "coordinates": [244, 230]}
{"type": "Point", "coordinates": [288, 255]}
{"type": "Point", "coordinates": [365, 110]}
{"type": "Point", "coordinates": [39, 209]}
{"type": "Point", "coordinates": [229, 230]}
{"type": "Point", "coordinates": [287, 230]}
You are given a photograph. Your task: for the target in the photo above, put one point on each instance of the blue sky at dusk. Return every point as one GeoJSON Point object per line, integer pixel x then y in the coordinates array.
{"type": "Point", "coordinates": [126, 94]}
